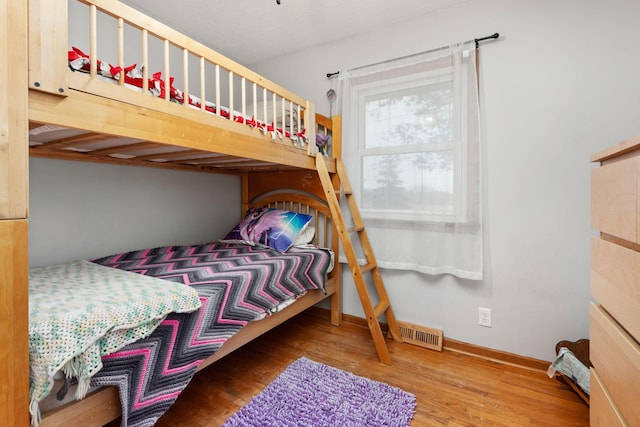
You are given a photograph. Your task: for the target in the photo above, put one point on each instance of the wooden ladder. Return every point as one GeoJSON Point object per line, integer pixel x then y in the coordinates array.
{"type": "Point", "coordinates": [372, 312]}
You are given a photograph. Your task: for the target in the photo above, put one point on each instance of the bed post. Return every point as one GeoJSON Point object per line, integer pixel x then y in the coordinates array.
{"type": "Point", "coordinates": [245, 194]}
{"type": "Point", "coordinates": [310, 126]}
{"type": "Point", "coordinates": [48, 68]}
{"type": "Point", "coordinates": [14, 333]}
{"type": "Point", "coordinates": [336, 153]}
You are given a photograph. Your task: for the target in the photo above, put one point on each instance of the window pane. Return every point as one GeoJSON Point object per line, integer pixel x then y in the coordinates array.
{"type": "Point", "coordinates": [421, 182]}
{"type": "Point", "coordinates": [416, 115]}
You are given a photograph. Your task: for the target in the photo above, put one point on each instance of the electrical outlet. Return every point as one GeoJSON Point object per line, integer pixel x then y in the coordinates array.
{"type": "Point", "coordinates": [484, 317]}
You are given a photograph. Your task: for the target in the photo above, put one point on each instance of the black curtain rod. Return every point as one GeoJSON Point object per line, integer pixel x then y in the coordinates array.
{"type": "Point", "coordinates": [481, 39]}
{"type": "Point", "coordinates": [476, 41]}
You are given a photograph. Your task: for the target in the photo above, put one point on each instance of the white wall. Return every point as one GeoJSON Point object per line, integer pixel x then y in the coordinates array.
{"type": "Point", "coordinates": [87, 210]}
{"type": "Point", "coordinates": [560, 84]}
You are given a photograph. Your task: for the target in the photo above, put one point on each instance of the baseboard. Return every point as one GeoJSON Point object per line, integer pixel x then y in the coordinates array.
{"type": "Point", "coordinates": [458, 346]}
{"type": "Point", "coordinates": [497, 356]}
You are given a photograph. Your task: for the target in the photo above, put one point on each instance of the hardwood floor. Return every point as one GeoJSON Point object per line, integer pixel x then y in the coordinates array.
{"type": "Point", "coordinates": [452, 389]}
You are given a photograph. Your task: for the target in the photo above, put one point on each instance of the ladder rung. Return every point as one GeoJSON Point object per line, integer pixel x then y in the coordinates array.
{"type": "Point", "coordinates": [365, 268]}
{"type": "Point", "coordinates": [380, 308]}
{"type": "Point", "coordinates": [355, 229]}
{"type": "Point", "coordinates": [343, 193]}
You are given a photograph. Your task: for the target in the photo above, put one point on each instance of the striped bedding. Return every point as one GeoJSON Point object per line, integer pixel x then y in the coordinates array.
{"type": "Point", "coordinates": [236, 284]}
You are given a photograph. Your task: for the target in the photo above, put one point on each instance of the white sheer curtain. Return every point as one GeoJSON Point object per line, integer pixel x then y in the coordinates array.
{"type": "Point", "coordinates": [411, 146]}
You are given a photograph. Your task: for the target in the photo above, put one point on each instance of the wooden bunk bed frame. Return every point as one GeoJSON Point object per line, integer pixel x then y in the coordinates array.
{"type": "Point", "coordinates": [103, 406]}
{"type": "Point", "coordinates": [134, 128]}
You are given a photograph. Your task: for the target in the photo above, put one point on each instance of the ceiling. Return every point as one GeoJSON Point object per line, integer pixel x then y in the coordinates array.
{"type": "Point", "coordinates": [250, 31]}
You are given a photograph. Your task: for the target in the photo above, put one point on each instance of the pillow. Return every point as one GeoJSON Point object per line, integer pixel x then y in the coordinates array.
{"type": "Point", "coordinates": [275, 228]}
{"type": "Point", "coordinates": [306, 236]}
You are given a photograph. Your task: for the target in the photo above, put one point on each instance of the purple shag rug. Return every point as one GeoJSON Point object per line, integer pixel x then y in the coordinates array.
{"type": "Point", "coordinates": [310, 394]}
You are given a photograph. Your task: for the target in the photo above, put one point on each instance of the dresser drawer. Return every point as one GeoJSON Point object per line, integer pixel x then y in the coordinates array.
{"type": "Point", "coordinates": [602, 411]}
{"type": "Point", "coordinates": [615, 355]}
{"type": "Point", "coordinates": [615, 282]}
{"type": "Point", "coordinates": [613, 199]}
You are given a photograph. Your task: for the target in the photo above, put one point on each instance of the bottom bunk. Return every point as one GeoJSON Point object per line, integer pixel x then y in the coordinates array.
{"type": "Point", "coordinates": [246, 287]}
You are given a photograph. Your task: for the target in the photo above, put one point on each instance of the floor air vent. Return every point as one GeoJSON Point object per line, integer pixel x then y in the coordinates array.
{"type": "Point", "coordinates": [421, 336]}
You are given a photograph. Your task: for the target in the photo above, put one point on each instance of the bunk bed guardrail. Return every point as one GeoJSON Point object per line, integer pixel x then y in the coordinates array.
{"type": "Point", "coordinates": [188, 74]}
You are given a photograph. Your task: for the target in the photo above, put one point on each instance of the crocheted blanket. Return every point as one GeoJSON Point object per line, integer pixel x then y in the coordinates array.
{"type": "Point", "coordinates": [81, 311]}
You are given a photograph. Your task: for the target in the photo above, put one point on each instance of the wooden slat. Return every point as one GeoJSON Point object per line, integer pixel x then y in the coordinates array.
{"type": "Point", "coordinates": [74, 141]}
{"type": "Point", "coordinates": [217, 78]}
{"type": "Point", "coordinates": [182, 155]}
{"type": "Point", "coordinates": [215, 158]}
{"type": "Point", "coordinates": [264, 117]}
{"type": "Point", "coordinates": [231, 95]}
{"type": "Point", "coordinates": [93, 41]}
{"type": "Point", "coordinates": [185, 72]}
{"type": "Point", "coordinates": [167, 69]}
{"type": "Point", "coordinates": [145, 61]}
{"type": "Point", "coordinates": [126, 148]}
{"type": "Point", "coordinates": [121, 50]}
{"type": "Point", "coordinates": [203, 91]}
{"type": "Point", "coordinates": [254, 107]}
{"type": "Point", "coordinates": [243, 99]}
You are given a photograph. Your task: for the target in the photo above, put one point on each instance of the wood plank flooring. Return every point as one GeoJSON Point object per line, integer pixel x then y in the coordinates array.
{"type": "Point", "coordinates": [452, 389]}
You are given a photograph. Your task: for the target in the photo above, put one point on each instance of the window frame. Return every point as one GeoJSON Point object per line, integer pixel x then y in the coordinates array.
{"type": "Point", "coordinates": [366, 91]}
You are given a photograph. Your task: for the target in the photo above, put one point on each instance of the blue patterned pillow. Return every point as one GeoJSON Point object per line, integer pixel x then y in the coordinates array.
{"type": "Point", "coordinates": [275, 228]}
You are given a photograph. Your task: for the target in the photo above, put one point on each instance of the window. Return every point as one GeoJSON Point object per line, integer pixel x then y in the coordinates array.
{"type": "Point", "coordinates": [412, 149]}
{"type": "Point", "coordinates": [411, 155]}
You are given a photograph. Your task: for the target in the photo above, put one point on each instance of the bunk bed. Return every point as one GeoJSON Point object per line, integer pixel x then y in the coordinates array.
{"type": "Point", "coordinates": [97, 104]}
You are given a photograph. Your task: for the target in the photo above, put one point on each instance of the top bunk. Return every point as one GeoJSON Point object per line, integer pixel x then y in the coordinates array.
{"type": "Point", "coordinates": [109, 84]}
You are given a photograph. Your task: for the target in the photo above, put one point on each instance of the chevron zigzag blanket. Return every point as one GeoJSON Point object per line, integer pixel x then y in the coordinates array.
{"type": "Point", "coordinates": [236, 284]}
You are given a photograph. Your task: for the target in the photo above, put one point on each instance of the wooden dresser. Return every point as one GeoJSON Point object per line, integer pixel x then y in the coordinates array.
{"type": "Point", "coordinates": [615, 286]}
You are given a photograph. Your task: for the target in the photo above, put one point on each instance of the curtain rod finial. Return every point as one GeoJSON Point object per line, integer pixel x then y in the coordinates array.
{"type": "Point", "coordinates": [492, 36]}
